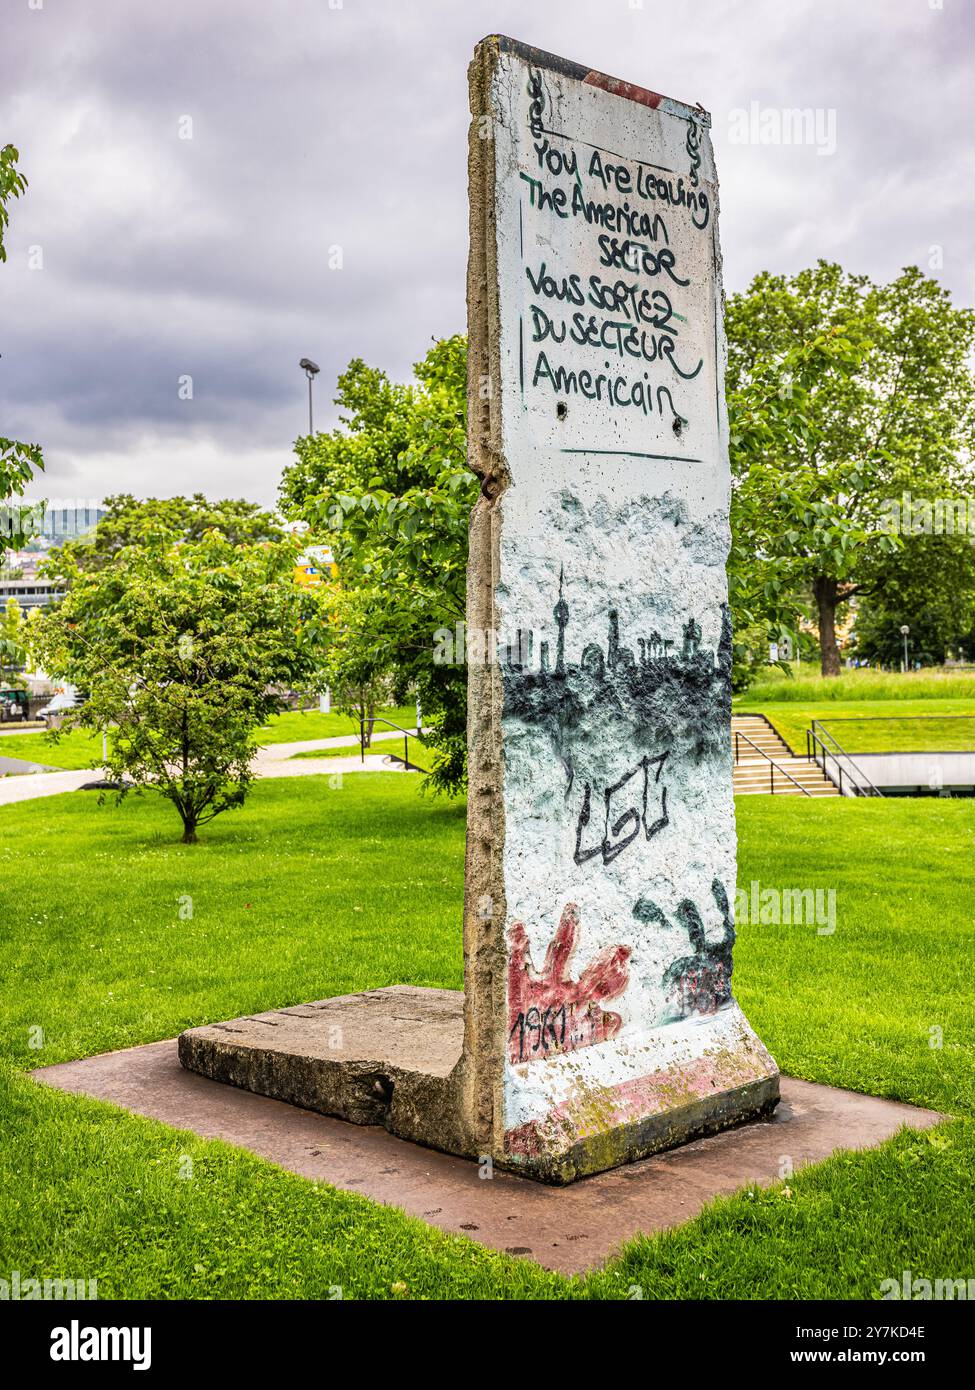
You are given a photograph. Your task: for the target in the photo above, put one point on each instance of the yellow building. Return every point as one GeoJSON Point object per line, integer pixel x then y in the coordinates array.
{"type": "Point", "coordinates": [314, 566]}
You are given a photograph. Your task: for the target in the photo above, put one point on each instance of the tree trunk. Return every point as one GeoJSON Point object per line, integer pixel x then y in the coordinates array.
{"type": "Point", "coordinates": [824, 592]}
{"type": "Point", "coordinates": [189, 821]}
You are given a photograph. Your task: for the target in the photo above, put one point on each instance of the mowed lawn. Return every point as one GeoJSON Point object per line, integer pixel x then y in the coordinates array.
{"type": "Point", "coordinates": [112, 934]}
{"type": "Point", "coordinates": [80, 748]}
{"type": "Point", "coordinates": [870, 711]}
{"type": "Point", "coordinates": [874, 726]}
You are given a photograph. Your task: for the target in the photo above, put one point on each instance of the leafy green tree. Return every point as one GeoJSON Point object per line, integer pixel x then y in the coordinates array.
{"type": "Point", "coordinates": [18, 461]}
{"type": "Point", "coordinates": [131, 521]}
{"type": "Point", "coordinates": [13, 184]}
{"type": "Point", "coordinates": [879, 639]}
{"type": "Point", "coordinates": [891, 405]}
{"type": "Point", "coordinates": [769, 415]}
{"type": "Point", "coordinates": [391, 493]}
{"type": "Point", "coordinates": [929, 585]}
{"type": "Point", "coordinates": [13, 653]}
{"type": "Point", "coordinates": [184, 648]}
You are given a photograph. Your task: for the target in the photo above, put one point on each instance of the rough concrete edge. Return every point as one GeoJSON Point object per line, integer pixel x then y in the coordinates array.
{"type": "Point", "coordinates": [744, 1104]}
{"type": "Point", "coordinates": [724, 445]}
{"type": "Point", "coordinates": [479, 1076]}
{"type": "Point", "coordinates": [412, 1105]}
{"type": "Point", "coordinates": [580, 72]}
{"type": "Point", "coordinates": [332, 1088]}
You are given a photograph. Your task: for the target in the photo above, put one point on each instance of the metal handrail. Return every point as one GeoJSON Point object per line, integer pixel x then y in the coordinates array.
{"type": "Point", "coordinates": [410, 767]}
{"type": "Point", "coordinates": [773, 769]}
{"type": "Point", "coordinates": [887, 718]}
{"type": "Point", "coordinates": [813, 738]}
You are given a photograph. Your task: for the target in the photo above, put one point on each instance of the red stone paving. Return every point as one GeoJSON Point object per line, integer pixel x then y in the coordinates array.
{"type": "Point", "coordinates": [570, 1229]}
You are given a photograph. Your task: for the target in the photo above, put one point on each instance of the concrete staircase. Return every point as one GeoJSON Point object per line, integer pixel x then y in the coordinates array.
{"type": "Point", "coordinates": [753, 774]}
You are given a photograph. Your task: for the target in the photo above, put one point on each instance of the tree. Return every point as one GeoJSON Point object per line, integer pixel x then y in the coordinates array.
{"type": "Point", "coordinates": [893, 408]}
{"type": "Point", "coordinates": [131, 521]}
{"type": "Point", "coordinates": [13, 184]}
{"type": "Point", "coordinates": [391, 493]}
{"type": "Point", "coordinates": [768, 411]}
{"type": "Point", "coordinates": [929, 585]}
{"type": "Point", "coordinates": [18, 461]}
{"type": "Point", "coordinates": [12, 650]}
{"type": "Point", "coordinates": [184, 648]}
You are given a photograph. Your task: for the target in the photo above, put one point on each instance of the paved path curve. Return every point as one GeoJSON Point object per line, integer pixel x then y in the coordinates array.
{"type": "Point", "coordinates": [34, 784]}
{"type": "Point", "coordinates": [274, 760]}
{"type": "Point", "coordinates": [278, 759]}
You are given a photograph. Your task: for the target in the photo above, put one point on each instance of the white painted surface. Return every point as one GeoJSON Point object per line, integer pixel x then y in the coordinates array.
{"type": "Point", "coordinates": [644, 536]}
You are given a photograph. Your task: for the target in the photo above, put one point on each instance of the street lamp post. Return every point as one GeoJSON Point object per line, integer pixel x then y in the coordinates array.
{"type": "Point", "coordinates": [311, 370]}
{"type": "Point", "coordinates": [904, 631]}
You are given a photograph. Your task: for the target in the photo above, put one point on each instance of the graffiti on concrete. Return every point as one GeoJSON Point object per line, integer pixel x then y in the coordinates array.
{"type": "Point", "coordinates": [637, 800]}
{"type": "Point", "coordinates": [663, 691]}
{"type": "Point", "coordinates": [550, 1013]}
{"type": "Point", "coordinates": [699, 983]}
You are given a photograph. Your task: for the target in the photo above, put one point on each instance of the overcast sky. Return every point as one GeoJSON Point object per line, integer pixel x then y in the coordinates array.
{"type": "Point", "coordinates": [317, 124]}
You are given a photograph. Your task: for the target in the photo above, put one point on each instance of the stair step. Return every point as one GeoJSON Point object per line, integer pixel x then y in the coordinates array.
{"type": "Point", "coordinates": [747, 774]}
{"type": "Point", "coordinates": [753, 773]}
{"type": "Point", "coordinates": [768, 771]}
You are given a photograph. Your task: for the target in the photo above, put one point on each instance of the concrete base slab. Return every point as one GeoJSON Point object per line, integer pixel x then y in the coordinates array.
{"type": "Point", "coordinates": [394, 1056]}
{"type": "Point", "coordinates": [570, 1229]}
{"type": "Point", "coordinates": [382, 1057]}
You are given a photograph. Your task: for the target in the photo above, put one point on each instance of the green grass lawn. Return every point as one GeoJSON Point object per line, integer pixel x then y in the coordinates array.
{"type": "Point", "coordinates": [901, 732]}
{"type": "Point", "coordinates": [808, 687]}
{"type": "Point", "coordinates": [914, 707]}
{"type": "Point", "coordinates": [907, 725]}
{"type": "Point", "coordinates": [74, 750]}
{"type": "Point", "coordinates": [80, 748]}
{"type": "Point", "coordinates": [310, 891]}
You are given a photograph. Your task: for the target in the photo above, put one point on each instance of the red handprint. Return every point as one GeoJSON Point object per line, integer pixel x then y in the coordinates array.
{"type": "Point", "coordinates": [547, 1012]}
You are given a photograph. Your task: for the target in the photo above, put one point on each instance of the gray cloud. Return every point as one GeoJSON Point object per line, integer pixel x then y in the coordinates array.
{"type": "Point", "coordinates": [315, 127]}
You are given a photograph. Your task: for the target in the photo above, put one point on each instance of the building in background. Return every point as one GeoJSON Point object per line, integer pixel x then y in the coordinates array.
{"type": "Point", "coordinates": [51, 525]}
{"type": "Point", "coordinates": [315, 565]}
{"type": "Point", "coordinates": [68, 522]}
{"type": "Point", "coordinates": [29, 592]}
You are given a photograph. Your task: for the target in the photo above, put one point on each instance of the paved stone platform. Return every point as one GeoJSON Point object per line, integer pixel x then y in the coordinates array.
{"type": "Point", "coordinates": [569, 1229]}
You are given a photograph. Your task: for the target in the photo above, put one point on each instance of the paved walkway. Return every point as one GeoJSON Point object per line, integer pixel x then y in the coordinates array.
{"type": "Point", "coordinates": [274, 760]}
{"type": "Point", "coordinates": [24, 765]}
{"type": "Point", "coordinates": [305, 767]}
{"type": "Point", "coordinates": [565, 1228]}
{"type": "Point", "coordinates": [36, 784]}
{"type": "Point", "coordinates": [278, 759]}
{"type": "Point", "coordinates": [285, 750]}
